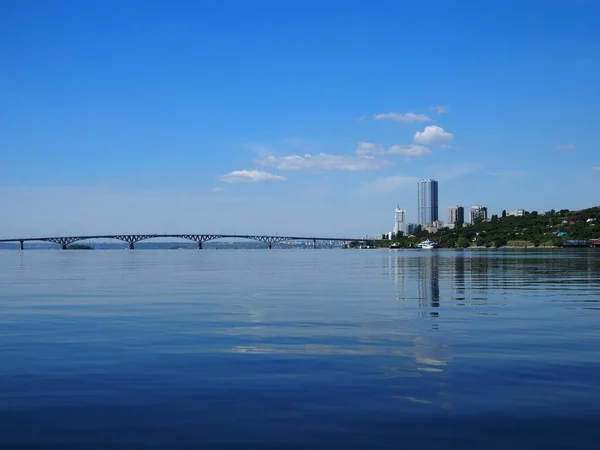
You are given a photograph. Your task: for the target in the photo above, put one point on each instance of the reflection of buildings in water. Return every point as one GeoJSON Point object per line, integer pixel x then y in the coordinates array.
{"type": "Point", "coordinates": [458, 275]}
{"type": "Point", "coordinates": [424, 270]}
{"type": "Point", "coordinates": [399, 268]}
{"type": "Point", "coordinates": [479, 274]}
{"type": "Point", "coordinates": [428, 276]}
{"type": "Point", "coordinates": [421, 360]}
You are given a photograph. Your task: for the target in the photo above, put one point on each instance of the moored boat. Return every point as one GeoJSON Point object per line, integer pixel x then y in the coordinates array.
{"type": "Point", "coordinates": [427, 245]}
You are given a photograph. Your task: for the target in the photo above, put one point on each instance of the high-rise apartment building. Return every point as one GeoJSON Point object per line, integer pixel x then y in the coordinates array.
{"type": "Point", "coordinates": [427, 201]}
{"type": "Point", "coordinates": [400, 223]}
{"type": "Point", "coordinates": [478, 212]}
{"type": "Point", "coordinates": [455, 214]}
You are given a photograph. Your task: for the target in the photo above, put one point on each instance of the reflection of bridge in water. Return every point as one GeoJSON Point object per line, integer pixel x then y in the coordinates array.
{"type": "Point", "coordinates": [132, 239]}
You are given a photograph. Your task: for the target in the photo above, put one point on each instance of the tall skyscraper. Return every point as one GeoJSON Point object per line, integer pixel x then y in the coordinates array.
{"type": "Point", "coordinates": [455, 214]}
{"type": "Point", "coordinates": [428, 201]}
{"type": "Point", "coordinates": [478, 212]}
{"type": "Point", "coordinates": [400, 223]}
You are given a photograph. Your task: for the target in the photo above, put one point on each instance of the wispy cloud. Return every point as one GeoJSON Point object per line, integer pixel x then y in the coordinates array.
{"type": "Point", "coordinates": [596, 168]}
{"type": "Point", "coordinates": [566, 147]}
{"type": "Point", "coordinates": [440, 109]}
{"type": "Point", "coordinates": [250, 176]}
{"type": "Point", "coordinates": [259, 149]}
{"type": "Point", "coordinates": [402, 117]}
{"type": "Point", "coordinates": [451, 171]}
{"type": "Point", "coordinates": [387, 184]}
{"type": "Point", "coordinates": [433, 135]}
{"type": "Point", "coordinates": [409, 150]}
{"type": "Point", "coordinates": [370, 148]}
{"type": "Point", "coordinates": [323, 162]}
{"type": "Point", "coordinates": [218, 189]}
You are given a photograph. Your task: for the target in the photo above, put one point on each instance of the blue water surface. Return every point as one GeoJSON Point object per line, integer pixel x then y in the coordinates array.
{"type": "Point", "coordinates": [319, 349]}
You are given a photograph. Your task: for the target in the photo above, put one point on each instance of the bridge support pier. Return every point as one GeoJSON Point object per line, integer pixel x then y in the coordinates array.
{"type": "Point", "coordinates": [64, 246]}
{"type": "Point", "coordinates": [131, 246]}
{"type": "Point", "coordinates": [314, 243]}
{"type": "Point", "coordinates": [270, 246]}
{"type": "Point", "coordinates": [22, 244]}
{"type": "Point", "coordinates": [199, 245]}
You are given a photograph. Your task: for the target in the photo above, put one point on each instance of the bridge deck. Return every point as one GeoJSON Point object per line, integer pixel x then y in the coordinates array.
{"type": "Point", "coordinates": [131, 239]}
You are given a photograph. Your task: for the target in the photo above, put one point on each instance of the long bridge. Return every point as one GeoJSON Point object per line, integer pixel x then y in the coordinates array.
{"type": "Point", "coordinates": [132, 239]}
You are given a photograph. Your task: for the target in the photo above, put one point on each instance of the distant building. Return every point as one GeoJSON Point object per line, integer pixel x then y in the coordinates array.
{"type": "Point", "coordinates": [412, 227]}
{"type": "Point", "coordinates": [427, 191]}
{"type": "Point", "coordinates": [478, 212]}
{"type": "Point", "coordinates": [434, 227]}
{"type": "Point", "coordinates": [455, 214]}
{"type": "Point", "coordinates": [400, 224]}
{"type": "Point", "coordinates": [517, 212]}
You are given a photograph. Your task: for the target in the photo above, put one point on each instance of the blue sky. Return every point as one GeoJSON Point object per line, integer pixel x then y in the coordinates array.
{"type": "Point", "coordinates": [298, 117]}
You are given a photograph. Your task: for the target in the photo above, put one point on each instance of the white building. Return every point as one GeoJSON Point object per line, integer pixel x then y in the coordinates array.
{"type": "Point", "coordinates": [478, 212]}
{"type": "Point", "coordinates": [455, 214]}
{"type": "Point", "coordinates": [516, 212]}
{"type": "Point", "coordinates": [436, 226]}
{"type": "Point", "coordinates": [400, 224]}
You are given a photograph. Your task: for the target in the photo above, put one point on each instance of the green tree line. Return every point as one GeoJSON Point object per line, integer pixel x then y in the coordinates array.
{"type": "Point", "coordinates": [531, 229]}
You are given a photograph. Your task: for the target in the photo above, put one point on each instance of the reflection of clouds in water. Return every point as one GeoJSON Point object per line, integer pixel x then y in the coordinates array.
{"type": "Point", "coordinates": [315, 350]}
{"type": "Point", "coordinates": [413, 399]}
{"type": "Point", "coordinates": [402, 348]}
{"type": "Point", "coordinates": [430, 355]}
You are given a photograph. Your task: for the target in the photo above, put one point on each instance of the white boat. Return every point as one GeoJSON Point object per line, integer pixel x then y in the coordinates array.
{"type": "Point", "coordinates": [427, 245]}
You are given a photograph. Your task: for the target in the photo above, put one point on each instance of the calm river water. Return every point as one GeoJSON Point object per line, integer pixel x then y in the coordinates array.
{"type": "Point", "coordinates": [320, 349]}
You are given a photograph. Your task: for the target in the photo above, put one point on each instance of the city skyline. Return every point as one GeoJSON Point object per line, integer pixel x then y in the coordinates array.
{"type": "Point", "coordinates": [187, 118]}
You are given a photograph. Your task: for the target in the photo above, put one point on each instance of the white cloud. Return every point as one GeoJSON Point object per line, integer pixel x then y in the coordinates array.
{"type": "Point", "coordinates": [566, 147]}
{"type": "Point", "coordinates": [400, 117]}
{"type": "Point", "coordinates": [323, 162]}
{"type": "Point", "coordinates": [433, 135]}
{"type": "Point", "coordinates": [409, 150]}
{"type": "Point", "coordinates": [370, 148]}
{"type": "Point", "coordinates": [440, 109]}
{"type": "Point", "coordinates": [387, 184]}
{"type": "Point", "coordinates": [250, 176]}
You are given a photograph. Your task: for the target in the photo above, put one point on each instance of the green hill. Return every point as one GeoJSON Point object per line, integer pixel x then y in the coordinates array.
{"type": "Point", "coordinates": [532, 229]}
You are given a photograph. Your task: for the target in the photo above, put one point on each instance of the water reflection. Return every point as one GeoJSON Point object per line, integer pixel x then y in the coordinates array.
{"type": "Point", "coordinates": [425, 271]}
{"type": "Point", "coordinates": [485, 277]}
{"type": "Point", "coordinates": [417, 284]}
{"type": "Point", "coordinates": [428, 281]}
{"type": "Point", "coordinates": [350, 341]}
